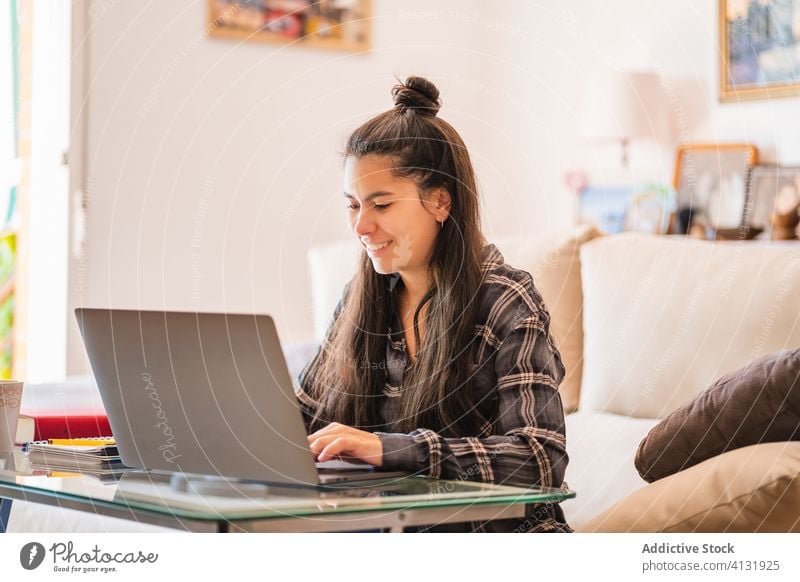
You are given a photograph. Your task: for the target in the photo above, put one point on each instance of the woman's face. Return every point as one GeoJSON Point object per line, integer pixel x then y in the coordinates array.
{"type": "Point", "coordinates": [391, 221]}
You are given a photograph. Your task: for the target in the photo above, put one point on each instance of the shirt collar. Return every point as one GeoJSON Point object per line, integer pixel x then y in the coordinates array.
{"type": "Point", "coordinates": [492, 258]}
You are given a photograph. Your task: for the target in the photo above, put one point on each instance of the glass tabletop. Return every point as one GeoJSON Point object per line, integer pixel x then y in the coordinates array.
{"type": "Point", "coordinates": [212, 498]}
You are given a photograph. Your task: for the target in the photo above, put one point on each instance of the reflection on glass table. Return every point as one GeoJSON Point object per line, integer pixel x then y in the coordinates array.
{"type": "Point", "coordinates": [206, 503]}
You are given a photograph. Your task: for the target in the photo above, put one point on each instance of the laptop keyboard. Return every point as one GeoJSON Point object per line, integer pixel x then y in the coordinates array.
{"type": "Point", "coordinates": [331, 466]}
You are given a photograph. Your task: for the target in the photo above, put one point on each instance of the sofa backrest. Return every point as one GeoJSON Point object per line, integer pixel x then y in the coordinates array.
{"type": "Point", "coordinates": [552, 259]}
{"type": "Point", "coordinates": [666, 316]}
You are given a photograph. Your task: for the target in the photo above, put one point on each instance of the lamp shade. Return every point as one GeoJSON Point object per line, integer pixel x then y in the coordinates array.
{"type": "Point", "coordinates": [626, 106]}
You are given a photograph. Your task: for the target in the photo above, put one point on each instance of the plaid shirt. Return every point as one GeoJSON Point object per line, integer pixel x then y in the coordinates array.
{"type": "Point", "coordinates": [518, 370]}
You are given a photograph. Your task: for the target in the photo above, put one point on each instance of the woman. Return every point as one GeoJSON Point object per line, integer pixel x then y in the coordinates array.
{"type": "Point", "coordinates": [439, 358]}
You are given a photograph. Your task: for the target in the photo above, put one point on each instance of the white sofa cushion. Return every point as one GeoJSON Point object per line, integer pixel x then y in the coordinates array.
{"type": "Point", "coordinates": [665, 316]}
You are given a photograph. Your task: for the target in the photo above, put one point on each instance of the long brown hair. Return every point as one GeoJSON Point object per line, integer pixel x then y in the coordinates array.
{"type": "Point", "coordinates": [349, 373]}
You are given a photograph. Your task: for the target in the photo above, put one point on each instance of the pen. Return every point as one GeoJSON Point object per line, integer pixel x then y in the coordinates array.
{"type": "Point", "coordinates": [87, 442]}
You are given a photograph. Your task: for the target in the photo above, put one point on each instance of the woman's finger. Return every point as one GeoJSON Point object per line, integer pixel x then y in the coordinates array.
{"type": "Point", "coordinates": [335, 448]}
{"type": "Point", "coordinates": [320, 443]}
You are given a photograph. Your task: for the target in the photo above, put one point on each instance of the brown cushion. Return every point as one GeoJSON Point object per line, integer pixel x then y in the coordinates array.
{"type": "Point", "coordinates": [752, 489]}
{"type": "Point", "coordinates": [755, 404]}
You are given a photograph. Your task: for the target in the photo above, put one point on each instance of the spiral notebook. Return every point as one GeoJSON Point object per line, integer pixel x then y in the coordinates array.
{"type": "Point", "coordinates": [75, 457]}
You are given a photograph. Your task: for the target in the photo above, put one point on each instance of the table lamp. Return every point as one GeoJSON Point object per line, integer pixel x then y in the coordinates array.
{"type": "Point", "coordinates": [623, 106]}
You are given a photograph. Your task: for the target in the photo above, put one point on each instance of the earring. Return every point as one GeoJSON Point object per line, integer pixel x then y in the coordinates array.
{"type": "Point", "coordinates": [441, 224]}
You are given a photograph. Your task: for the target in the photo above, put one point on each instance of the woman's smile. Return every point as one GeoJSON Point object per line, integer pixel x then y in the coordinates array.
{"type": "Point", "coordinates": [376, 249]}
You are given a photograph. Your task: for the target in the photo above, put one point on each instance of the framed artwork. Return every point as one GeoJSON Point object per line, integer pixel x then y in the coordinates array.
{"type": "Point", "coordinates": [760, 49]}
{"type": "Point", "coordinates": [774, 200]}
{"type": "Point", "coordinates": [332, 24]}
{"type": "Point", "coordinates": [625, 208]}
{"type": "Point", "coordinates": [711, 185]}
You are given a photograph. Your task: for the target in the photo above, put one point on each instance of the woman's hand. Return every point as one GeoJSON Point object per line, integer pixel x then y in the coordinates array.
{"type": "Point", "coordinates": [339, 440]}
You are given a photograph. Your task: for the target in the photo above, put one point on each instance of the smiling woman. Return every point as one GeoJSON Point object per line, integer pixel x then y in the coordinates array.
{"type": "Point", "coordinates": [439, 358]}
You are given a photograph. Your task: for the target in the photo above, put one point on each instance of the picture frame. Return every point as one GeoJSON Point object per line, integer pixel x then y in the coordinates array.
{"type": "Point", "coordinates": [626, 208]}
{"type": "Point", "coordinates": [711, 186]}
{"type": "Point", "coordinates": [759, 47]}
{"type": "Point", "coordinates": [772, 188]}
{"type": "Point", "coordinates": [344, 25]}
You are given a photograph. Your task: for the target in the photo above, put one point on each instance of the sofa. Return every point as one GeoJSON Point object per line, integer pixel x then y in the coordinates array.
{"type": "Point", "coordinates": [644, 324]}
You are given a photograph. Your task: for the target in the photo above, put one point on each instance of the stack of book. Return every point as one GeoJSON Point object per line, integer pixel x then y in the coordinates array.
{"type": "Point", "coordinates": [92, 456]}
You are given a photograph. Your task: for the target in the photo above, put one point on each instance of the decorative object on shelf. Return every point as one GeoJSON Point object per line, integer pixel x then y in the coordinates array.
{"type": "Point", "coordinates": [711, 183]}
{"type": "Point", "coordinates": [784, 224]}
{"type": "Point", "coordinates": [760, 49]}
{"type": "Point", "coordinates": [773, 200]}
{"type": "Point", "coordinates": [605, 207]}
{"type": "Point", "coordinates": [334, 24]}
{"type": "Point", "coordinates": [650, 209]}
{"type": "Point", "coordinates": [622, 107]}
{"type": "Point", "coordinates": [700, 231]}
{"type": "Point", "coordinates": [631, 208]}
{"type": "Point", "coordinates": [576, 181]}
{"type": "Point", "coordinates": [685, 221]}
{"type": "Point", "coordinates": [741, 233]}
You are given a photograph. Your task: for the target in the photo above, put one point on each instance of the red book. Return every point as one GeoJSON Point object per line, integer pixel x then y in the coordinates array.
{"type": "Point", "coordinates": [69, 409]}
{"type": "Point", "coordinates": [72, 426]}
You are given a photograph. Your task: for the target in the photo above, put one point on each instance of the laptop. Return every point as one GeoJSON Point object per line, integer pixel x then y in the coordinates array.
{"type": "Point", "coordinates": [204, 393]}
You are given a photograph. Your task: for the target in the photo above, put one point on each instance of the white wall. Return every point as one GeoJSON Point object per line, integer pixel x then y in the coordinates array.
{"type": "Point", "coordinates": [48, 222]}
{"type": "Point", "coordinates": [212, 165]}
{"type": "Point", "coordinates": [547, 70]}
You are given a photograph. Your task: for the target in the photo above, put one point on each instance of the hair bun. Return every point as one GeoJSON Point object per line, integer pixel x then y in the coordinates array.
{"type": "Point", "coordinates": [417, 94]}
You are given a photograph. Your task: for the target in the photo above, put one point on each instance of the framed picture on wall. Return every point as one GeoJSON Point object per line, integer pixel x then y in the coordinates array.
{"type": "Point", "coordinates": [331, 24]}
{"type": "Point", "coordinates": [759, 46]}
{"type": "Point", "coordinates": [711, 183]}
{"type": "Point", "coordinates": [775, 200]}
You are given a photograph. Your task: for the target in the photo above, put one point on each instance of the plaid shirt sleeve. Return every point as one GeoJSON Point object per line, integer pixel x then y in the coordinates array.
{"type": "Point", "coordinates": [529, 445]}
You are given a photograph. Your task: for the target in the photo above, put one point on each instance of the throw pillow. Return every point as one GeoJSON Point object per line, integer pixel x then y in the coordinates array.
{"type": "Point", "coordinates": [757, 403]}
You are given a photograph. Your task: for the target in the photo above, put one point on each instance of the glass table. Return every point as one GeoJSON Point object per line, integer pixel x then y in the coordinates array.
{"type": "Point", "coordinates": [210, 504]}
